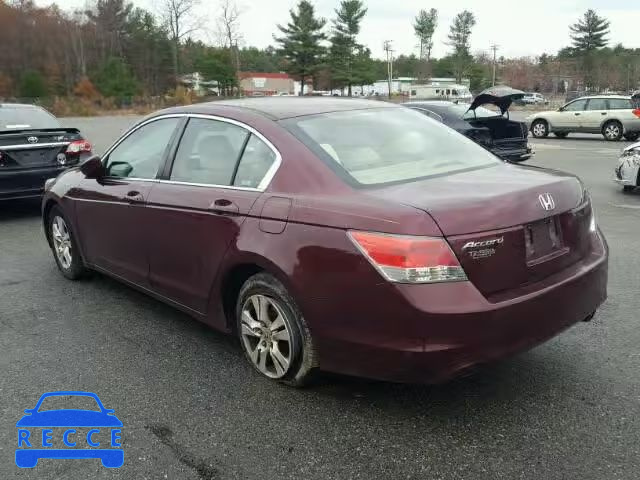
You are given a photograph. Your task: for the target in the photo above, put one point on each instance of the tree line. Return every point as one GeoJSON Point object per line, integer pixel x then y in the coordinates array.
{"type": "Point", "coordinates": [112, 48]}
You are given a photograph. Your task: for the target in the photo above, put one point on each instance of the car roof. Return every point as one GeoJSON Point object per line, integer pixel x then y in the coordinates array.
{"type": "Point", "coordinates": [434, 103]}
{"type": "Point", "coordinates": [624, 97]}
{"type": "Point", "coordinates": [278, 108]}
{"type": "Point", "coordinates": [18, 105]}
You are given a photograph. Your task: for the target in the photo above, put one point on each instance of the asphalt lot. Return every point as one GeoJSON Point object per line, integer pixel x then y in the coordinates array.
{"type": "Point", "coordinates": [192, 407]}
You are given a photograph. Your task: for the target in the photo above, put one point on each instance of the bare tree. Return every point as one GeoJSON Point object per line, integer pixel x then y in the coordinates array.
{"type": "Point", "coordinates": [177, 15]}
{"type": "Point", "coordinates": [228, 26]}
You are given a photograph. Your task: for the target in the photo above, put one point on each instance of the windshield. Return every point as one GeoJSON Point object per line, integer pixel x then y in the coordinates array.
{"type": "Point", "coordinates": [388, 145]}
{"type": "Point", "coordinates": [64, 402]}
{"type": "Point", "coordinates": [21, 118]}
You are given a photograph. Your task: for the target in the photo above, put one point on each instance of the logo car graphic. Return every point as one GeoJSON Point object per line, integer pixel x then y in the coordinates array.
{"type": "Point", "coordinates": [29, 442]}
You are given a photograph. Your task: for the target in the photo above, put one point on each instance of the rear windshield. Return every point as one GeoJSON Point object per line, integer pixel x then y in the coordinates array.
{"type": "Point", "coordinates": [388, 145]}
{"type": "Point", "coordinates": [20, 118]}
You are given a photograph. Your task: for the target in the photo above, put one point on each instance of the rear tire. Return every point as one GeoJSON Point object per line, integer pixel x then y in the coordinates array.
{"type": "Point", "coordinates": [561, 134]}
{"type": "Point", "coordinates": [628, 188]}
{"type": "Point", "coordinates": [540, 128]}
{"type": "Point", "coordinates": [64, 245]}
{"type": "Point", "coordinates": [273, 333]}
{"type": "Point", "coordinates": [612, 131]}
{"type": "Point", "coordinates": [632, 137]}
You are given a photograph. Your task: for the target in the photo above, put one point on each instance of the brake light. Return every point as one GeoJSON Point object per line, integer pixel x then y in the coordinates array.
{"type": "Point", "coordinates": [409, 259]}
{"type": "Point", "coordinates": [636, 112]}
{"type": "Point", "coordinates": [79, 146]}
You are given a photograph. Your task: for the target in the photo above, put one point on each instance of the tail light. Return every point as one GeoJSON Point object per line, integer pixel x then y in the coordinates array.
{"type": "Point", "coordinates": [79, 146]}
{"type": "Point", "coordinates": [409, 259]}
{"type": "Point", "coordinates": [636, 112]}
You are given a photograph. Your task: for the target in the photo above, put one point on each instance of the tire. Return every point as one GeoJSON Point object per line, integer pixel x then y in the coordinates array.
{"type": "Point", "coordinates": [612, 131]}
{"type": "Point", "coordinates": [628, 188]}
{"type": "Point", "coordinates": [281, 350]}
{"type": "Point", "coordinates": [632, 137]}
{"type": "Point", "coordinates": [540, 129]}
{"type": "Point", "coordinates": [62, 236]}
{"type": "Point", "coordinates": [561, 134]}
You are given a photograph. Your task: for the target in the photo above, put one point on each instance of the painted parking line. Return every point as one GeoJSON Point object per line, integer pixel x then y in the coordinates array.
{"type": "Point", "coordinates": [625, 205]}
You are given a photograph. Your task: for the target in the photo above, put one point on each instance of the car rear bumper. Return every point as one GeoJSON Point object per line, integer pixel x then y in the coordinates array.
{"type": "Point", "coordinates": [26, 183]}
{"type": "Point", "coordinates": [436, 332]}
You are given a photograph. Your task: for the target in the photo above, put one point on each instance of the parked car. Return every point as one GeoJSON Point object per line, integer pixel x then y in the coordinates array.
{"type": "Point", "coordinates": [533, 98]}
{"type": "Point", "coordinates": [626, 172]}
{"type": "Point", "coordinates": [612, 116]}
{"type": "Point", "coordinates": [504, 137]}
{"type": "Point", "coordinates": [352, 236]}
{"type": "Point", "coordinates": [34, 147]}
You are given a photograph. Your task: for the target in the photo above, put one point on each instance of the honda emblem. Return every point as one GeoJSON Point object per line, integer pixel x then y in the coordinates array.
{"type": "Point", "coordinates": [546, 201]}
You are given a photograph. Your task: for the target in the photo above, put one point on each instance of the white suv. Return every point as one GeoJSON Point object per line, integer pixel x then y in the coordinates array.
{"type": "Point", "coordinates": [613, 116]}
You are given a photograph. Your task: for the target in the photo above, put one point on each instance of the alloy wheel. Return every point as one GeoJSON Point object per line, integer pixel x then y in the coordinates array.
{"type": "Point", "coordinates": [61, 241]}
{"type": "Point", "coordinates": [612, 131]}
{"type": "Point", "coordinates": [539, 129]}
{"type": "Point", "coordinates": [266, 336]}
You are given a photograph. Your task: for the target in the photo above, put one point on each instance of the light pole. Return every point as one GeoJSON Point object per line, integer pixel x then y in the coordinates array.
{"type": "Point", "coordinates": [494, 47]}
{"type": "Point", "coordinates": [389, 50]}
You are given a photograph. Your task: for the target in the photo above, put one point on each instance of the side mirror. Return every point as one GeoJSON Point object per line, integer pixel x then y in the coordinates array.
{"type": "Point", "coordinates": [93, 168]}
{"type": "Point", "coordinates": [561, 109]}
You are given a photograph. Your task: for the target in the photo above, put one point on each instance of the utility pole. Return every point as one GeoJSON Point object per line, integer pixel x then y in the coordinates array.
{"type": "Point", "coordinates": [494, 47]}
{"type": "Point", "coordinates": [387, 48]}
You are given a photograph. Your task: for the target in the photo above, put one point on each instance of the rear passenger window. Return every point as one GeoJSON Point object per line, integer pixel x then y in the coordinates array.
{"type": "Point", "coordinates": [208, 152]}
{"type": "Point", "coordinates": [597, 104]}
{"type": "Point", "coordinates": [255, 163]}
{"type": "Point", "coordinates": [620, 104]}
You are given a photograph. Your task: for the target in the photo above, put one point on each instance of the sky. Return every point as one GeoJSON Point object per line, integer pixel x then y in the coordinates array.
{"type": "Point", "coordinates": [519, 27]}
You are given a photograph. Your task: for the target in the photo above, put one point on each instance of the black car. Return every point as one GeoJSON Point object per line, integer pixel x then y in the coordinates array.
{"type": "Point", "coordinates": [495, 131]}
{"type": "Point", "coordinates": [34, 147]}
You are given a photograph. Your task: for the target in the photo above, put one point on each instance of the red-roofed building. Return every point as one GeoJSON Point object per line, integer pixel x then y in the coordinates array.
{"type": "Point", "coordinates": [264, 83]}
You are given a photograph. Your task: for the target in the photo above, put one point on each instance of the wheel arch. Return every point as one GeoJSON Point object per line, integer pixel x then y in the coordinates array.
{"type": "Point", "coordinates": [542, 119]}
{"type": "Point", "coordinates": [235, 276]}
{"type": "Point", "coordinates": [46, 210]}
{"type": "Point", "coordinates": [609, 120]}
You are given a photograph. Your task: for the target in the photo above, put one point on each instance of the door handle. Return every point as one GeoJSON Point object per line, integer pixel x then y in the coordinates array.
{"type": "Point", "coordinates": [576, 114]}
{"type": "Point", "coordinates": [134, 197]}
{"type": "Point", "coordinates": [603, 113]}
{"type": "Point", "coordinates": [222, 206]}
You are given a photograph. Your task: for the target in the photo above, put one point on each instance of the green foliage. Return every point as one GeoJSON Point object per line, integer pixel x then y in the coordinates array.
{"type": "Point", "coordinates": [32, 85]}
{"type": "Point", "coordinates": [589, 33]}
{"type": "Point", "coordinates": [424, 26]}
{"type": "Point", "coordinates": [300, 42]}
{"type": "Point", "coordinates": [350, 62]}
{"type": "Point", "coordinates": [114, 79]}
{"type": "Point", "coordinates": [254, 59]}
{"type": "Point", "coordinates": [459, 38]}
{"type": "Point", "coordinates": [216, 64]}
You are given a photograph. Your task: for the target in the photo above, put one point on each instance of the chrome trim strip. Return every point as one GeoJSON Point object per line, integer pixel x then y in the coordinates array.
{"type": "Point", "coordinates": [33, 145]}
{"type": "Point", "coordinates": [211, 185]}
{"type": "Point", "coordinates": [262, 186]}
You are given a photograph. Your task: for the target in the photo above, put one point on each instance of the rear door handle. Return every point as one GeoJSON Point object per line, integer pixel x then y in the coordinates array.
{"type": "Point", "coordinates": [222, 206]}
{"type": "Point", "coordinates": [576, 114]}
{"type": "Point", "coordinates": [134, 197]}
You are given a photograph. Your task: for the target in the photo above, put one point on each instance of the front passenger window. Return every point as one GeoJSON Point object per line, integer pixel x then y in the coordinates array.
{"type": "Point", "coordinates": [576, 106]}
{"type": "Point", "coordinates": [142, 152]}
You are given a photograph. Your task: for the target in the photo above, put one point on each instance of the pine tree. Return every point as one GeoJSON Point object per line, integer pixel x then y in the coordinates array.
{"type": "Point", "coordinates": [300, 44]}
{"type": "Point", "coordinates": [424, 26]}
{"type": "Point", "coordinates": [344, 46]}
{"type": "Point", "coordinates": [459, 38]}
{"type": "Point", "coordinates": [590, 32]}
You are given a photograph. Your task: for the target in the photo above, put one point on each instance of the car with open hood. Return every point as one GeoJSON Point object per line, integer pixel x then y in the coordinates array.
{"type": "Point", "coordinates": [506, 138]}
{"type": "Point", "coordinates": [353, 236]}
{"type": "Point", "coordinates": [34, 147]}
{"type": "Point", "coordinates": [612, 116]}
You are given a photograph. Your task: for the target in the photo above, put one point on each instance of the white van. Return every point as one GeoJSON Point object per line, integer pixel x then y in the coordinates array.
{"type": "Point", "coordinates": [440, 92]}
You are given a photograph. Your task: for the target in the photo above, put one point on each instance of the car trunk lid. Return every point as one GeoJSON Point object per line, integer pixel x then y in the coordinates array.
{"type": "Point", "coordinates": [496, 222]}
{"type": "Point", "coordinates": [32, 148]}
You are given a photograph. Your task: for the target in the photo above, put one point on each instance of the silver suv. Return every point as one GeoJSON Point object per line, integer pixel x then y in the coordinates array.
{"type": "Point", "coordinates": [613, 116]}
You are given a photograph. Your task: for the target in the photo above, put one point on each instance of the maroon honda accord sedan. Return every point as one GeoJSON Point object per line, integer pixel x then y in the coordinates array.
{"type": "Point", "coordinates": [350, 236]}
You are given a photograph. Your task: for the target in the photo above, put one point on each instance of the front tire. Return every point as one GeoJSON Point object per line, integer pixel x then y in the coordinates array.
{"type": "Point", "coordinates": [64, 245]}
{"type": "Point", "coordinates": [612, 131]}
{"type": "Point", "coordinates": [628, 188]}
{"type": "Point", "coordinates": [540, 129]}
{"type": "Point", "coordinates": [273, 333]}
